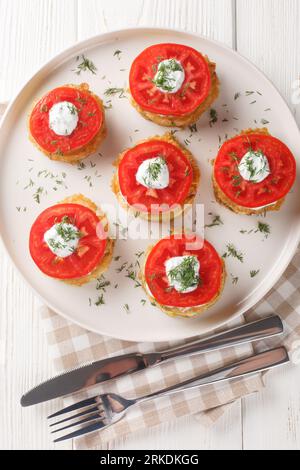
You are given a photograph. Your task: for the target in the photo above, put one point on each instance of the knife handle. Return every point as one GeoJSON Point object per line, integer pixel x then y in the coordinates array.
{"type": "Point", "coordinates": [253, 331]}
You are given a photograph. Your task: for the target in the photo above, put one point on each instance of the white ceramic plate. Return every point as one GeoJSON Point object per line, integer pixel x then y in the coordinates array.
{"type": "Point", "coordinates": [23, 166]}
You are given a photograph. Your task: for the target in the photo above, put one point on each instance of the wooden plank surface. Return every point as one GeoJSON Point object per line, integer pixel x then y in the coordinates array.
{"type": "Point", "coordinates": [267, 32]}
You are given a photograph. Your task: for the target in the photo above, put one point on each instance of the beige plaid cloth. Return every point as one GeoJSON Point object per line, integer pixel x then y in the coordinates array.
{"type": "Point", "coordinates": [71, 345]}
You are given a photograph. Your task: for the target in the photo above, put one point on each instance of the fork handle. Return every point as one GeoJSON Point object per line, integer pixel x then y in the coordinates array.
{"type": "Point", "coordinates": [244, 367]}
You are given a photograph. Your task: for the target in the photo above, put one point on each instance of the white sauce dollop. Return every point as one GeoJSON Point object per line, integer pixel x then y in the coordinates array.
{"type": "Point", "coordinates": [62, 239]}
{"type": "Point", "coordinates": [63, 118]}
{"type": "Point", "coordinates": [254, 166]}
{"type": "Point", "coordinates": [153, 173]}
{"type": "Point", "coordinates": [169, 76]}
{"type": "Point", "coordinates": [176, 276]}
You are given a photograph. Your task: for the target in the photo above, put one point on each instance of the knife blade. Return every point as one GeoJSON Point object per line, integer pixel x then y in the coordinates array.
{"type": "Point", "coordinates": [90, 374]}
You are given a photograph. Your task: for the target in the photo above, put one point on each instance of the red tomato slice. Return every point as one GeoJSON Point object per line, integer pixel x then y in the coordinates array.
{"type": "Point", "coordinates": [193, 92]}
{"type": "Point", "coordinates": [246, 193]}
{"type": "Point", "coordinates": [180, 170]}
{"type": "Point", "coordinates": [90, 248]}
{"type": "Point", "coordinates": [211, 269]}
{"type": "Point", "coordinates": [90, 119]}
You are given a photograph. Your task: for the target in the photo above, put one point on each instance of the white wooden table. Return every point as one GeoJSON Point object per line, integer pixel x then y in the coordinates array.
{"type": "Point", "coordinates": [31, 31]}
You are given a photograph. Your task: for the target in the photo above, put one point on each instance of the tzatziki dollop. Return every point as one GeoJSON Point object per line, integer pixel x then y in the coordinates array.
{"type": "Point", "coordinates": [183, 273]}
{"type": "Point", "coordinates": [169, 76]}
{"type": "Point", "coordinates": [63, 118]}
{"type": "Point", "coordinates": [62, 239]}
{"type": "Point", "coordinates": [254, 166]}
{"type": "Point", "coordinates": [153, 173]}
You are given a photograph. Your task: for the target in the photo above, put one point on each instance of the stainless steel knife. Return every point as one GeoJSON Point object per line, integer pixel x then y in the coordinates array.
{"type": "Point", "coordinates": [96, 372]}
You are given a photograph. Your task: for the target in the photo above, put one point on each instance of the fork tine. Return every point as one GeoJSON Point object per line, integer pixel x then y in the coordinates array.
{"type": "Point", "coordinates": [85, 420]}
{"type": "Point", "coordinates": [87, 429]}
{"type": "Point", "coordinates": [77, 415]}
{"type": "Point", "coordinates": [75, 406]}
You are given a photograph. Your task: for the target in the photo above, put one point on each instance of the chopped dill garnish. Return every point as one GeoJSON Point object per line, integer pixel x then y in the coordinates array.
{"type": "Point", "coordinates": [216, 220]}
{"type": "Point", "coordinates": [102, 283]}
{"type": "Point", "coordinates": [234, 279]}
{"type": "Point", "coordinates": [184, 274]}
{"type": "Point", "coordinates": [264, 122]}
{"type": "Point", "coordinates": [81, 165]}
{"type": "Point", "coordinates": [163, 78]}
{"type": "Point", "coordinates": [126, 308]}
{"type": "Point", "coordinates": [263, 228]}
{"type": "Point", "coordinates": [37, 194]}
{"type": "Point", "coordinates": [85, 65]}
{"type": "Point", "coordinates": [114, 91]}
{"type": "Point", "coordinates": [100, 300]}
{"type": "Point", "coordinates": [193, 128]}
{"type": "Point", "coordinates": [254, 273]}
{"type": "Point", "coordinates": [30, 184]}
{"type": "Point", "coordinates": [122, 267]}
{"type": "Point", "coordinates": [72, 108]}
{"type": "Point", "coordinates": [67, 231]}
{"type": "Point", "coordinates": [232, 251]}
{"type": "Point", "coordinates": [213, 116]}
{"type": "Point", "coordinates": [153, 170]}
{"type": "Point", "coordinates": [236, 180]}
{"type": "Point", "coordinates": [117, 53]}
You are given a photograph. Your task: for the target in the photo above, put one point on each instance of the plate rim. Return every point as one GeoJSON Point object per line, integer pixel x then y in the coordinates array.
{"type": "Point", "coordinates": [91, 41]}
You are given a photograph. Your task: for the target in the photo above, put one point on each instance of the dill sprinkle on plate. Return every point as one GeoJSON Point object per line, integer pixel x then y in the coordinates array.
{"type": "Point", "coordinates": [263, 228]}
{"type": "Point", "coordinates": [114, 91]}
{"type": "Point", "coordinates": [234, 279]}
{"type": "Point", "coordinates": [216, 220]}
{"type": "Point", "coordinates": [213, 117]}
{"type": "Point", "coordinates": [100, 300]}
{"type": "Point", "coordinates": [126, 308]}
{"type": "Point", "coordinates": [85, 64]}
{"type": "Point", "coordinates": [232, 251]}
{"type": "Point", "coordinates": [117, 54]}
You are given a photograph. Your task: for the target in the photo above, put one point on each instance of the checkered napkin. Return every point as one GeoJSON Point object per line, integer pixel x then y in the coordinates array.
{"type": "Point", "coordinates": [71, 345]}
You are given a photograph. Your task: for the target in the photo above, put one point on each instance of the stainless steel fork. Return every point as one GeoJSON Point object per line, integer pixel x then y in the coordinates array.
{"type": "Point", "coordinates": [104, 410]}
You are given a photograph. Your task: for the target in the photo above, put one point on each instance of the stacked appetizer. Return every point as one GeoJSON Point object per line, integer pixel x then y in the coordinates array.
{"type": "Point", "coordinates": [68, 123]}
{"type": "Point", "coordinates": [253, 172]}
{"type": "Point", "coordinates": [183, 275]}
{"type": "Point", "coordinates": [172, 84]}
{"type": "Point", "coordinates": [157, 177]}
{"type": "Point", "coordinates": [69, 241]}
